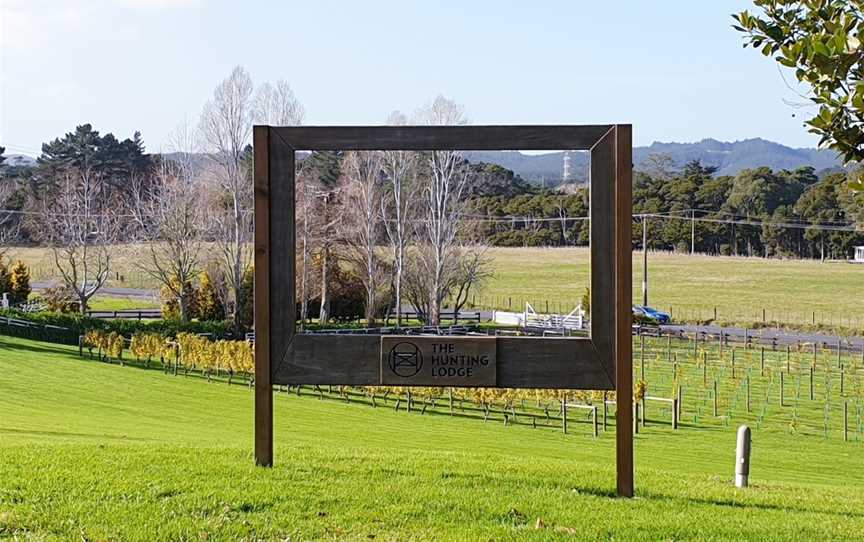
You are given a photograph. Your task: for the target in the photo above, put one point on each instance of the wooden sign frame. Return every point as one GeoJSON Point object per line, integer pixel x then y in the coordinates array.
{"type": "Point", "coordinates": [602, 361]}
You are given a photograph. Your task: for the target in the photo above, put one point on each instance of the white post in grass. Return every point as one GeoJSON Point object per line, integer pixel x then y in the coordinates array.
{"type": "Point", "coordinates": [742, 457]}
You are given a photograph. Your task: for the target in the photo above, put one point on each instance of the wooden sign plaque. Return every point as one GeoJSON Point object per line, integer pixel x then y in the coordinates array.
{"type": "Point", "coordinates": [602, 361]}
{"type": "Point", "coordinates": [444, 361]}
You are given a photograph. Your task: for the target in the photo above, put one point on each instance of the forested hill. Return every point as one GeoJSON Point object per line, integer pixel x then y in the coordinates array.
{"type": "Point", "coordinates": [728, 158]}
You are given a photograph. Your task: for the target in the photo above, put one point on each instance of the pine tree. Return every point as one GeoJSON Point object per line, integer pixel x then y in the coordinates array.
{"type": "Point", "coordinates": [208, 303]}
{"type": "Point", "coordinates": [19, 283]}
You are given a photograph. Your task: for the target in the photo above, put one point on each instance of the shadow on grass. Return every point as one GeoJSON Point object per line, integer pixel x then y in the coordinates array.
{"type": "Point", "coordinates": [730, 503]}
{"type": "Point", "coordinates": [36, 347]}
{"type": "Point", "coordinates": [73, 435]}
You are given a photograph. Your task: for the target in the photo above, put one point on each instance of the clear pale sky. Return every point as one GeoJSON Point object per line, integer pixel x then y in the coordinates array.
{"type": "Point", "coordinates": [675, 69]}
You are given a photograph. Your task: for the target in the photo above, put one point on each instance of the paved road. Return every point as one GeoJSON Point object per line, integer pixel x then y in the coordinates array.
{"type": "Point", "coordinates": [117, 291]}
{"type": "Point", "coordinates": [769, 336]}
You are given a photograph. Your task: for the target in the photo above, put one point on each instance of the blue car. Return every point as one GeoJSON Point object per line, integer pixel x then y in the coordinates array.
{"type": "Point", "coordinates": [658, 317]}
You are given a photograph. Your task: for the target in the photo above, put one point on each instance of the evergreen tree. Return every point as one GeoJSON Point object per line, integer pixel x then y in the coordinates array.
{"type": "Point", "coordinates": [19, 283]}
{"type": "Point", "coordinates": [86, 149]}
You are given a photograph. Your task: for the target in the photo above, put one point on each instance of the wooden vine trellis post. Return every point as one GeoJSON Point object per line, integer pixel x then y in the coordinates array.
{"type": "Point", "coordinates": [602, 361]}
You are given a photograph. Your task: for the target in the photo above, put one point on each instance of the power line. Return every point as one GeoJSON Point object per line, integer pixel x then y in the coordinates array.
{"type": "Point", "coordinates": [527, 219]}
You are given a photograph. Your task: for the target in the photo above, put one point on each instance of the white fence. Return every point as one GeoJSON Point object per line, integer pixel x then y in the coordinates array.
{"type": "Point", "coordinates": [530, 318]}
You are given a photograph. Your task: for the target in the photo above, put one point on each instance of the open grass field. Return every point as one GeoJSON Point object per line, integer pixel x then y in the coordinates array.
{"type": "Point", "coordinates": [92, 451]}
{"type": "Point", "coordinates": [791, 291]}
{"type": "Point", "coordinates": [121, 303]}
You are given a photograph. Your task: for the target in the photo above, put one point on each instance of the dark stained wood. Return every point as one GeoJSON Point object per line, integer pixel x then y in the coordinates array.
{"type": "Point", "coordinates": [418, 138]}
{"type": "Point", "coordinates": [602, 362]}
{"type": "Point", "coordinates": [283, 311]}
{"type": "Point", "coordinates": [350, 360]}
{"type": "Point", "coordinates": [263, 387]}
{"type": "Point", "coordinates": [602, 212]}
{"type": "Point", "coordinates": [623, 311]}
{"type": "Point", "coordinates": [550, 362]}
{"type": "Point", "coordinates": [523, 362]}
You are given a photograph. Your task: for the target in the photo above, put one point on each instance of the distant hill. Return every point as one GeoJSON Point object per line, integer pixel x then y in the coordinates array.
{"type": "Point", "coordinates": [19, 160]}
{"type": "Point", "coordinates": [729, 158]}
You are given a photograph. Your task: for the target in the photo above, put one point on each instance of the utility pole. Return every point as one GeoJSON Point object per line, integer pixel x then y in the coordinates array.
{"type": "Point", "coordinates": [644, 260]}
{"type": "Point", "coordinates": [692, 231]}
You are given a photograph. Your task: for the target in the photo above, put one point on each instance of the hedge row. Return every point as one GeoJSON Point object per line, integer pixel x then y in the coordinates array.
{"type": "Point", "coordinates": [77, 325]}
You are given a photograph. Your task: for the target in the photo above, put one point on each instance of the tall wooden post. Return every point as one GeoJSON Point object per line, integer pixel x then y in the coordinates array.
{"type": "Point", "coordinates": [263, 388]}
{"type": "Point", "coordinates": [274, 295]}
{"type": "Point", "coordinates": [623, 311]}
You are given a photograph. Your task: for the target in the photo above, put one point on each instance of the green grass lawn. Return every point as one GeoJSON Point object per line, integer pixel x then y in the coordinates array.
{"type": "Point", "coordinates": [92, 451]}
{"type": "Point", "coordinates": [121, 303]}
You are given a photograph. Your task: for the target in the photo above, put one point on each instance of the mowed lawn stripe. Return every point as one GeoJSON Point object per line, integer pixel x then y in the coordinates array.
{"type": "Point", "coordinates": [126, 453]}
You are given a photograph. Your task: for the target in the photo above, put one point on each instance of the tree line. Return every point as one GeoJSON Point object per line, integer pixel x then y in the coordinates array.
{"type": "Point", "coordinates": [758, 212]}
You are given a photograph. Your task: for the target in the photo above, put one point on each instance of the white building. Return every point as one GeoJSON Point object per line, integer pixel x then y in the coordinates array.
{"type": "Point", "coordinates": [859, 255]}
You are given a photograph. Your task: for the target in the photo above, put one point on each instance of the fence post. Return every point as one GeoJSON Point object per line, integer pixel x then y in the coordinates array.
{"type": "Point", "coordinates": [733, 362]}
{"type": "Point", "coordinates": [811, 382]}
{"type": "Point", "coordinates": [594, 420]}
{"type": "Point", "coordinates": [761, 361]}
{"type": "Point", "coordinates": [839, 352]}
{"type": "Point", "coordinates": [781, 388]}
{"type": "Point", "coordinates": [742, 457]}
{"type": "Point", "coordinates": [674, 413]}
{"type": "Point", "coordinates": [642, 354]}
{"type": "Point", "coordinates": [704, 369]}
{"type": "Point", "coordinates": [845, 421]}
{"type": "Point", "coordinates": [564, 415]}
{"type": "Point", "coordinates": [80, 346]}
{"type": "Point", "coordinates": [715, 398]}
{"type": "Point", "coordinates": [605, 411]}
{"type": "Point", "coordinates": [642, 412]}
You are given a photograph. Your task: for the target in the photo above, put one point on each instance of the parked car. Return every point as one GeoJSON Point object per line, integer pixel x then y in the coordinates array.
{"type": "Point", "coordinates": [642, 314]}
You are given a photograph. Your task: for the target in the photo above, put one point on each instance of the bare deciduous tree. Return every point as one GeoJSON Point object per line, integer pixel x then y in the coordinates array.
{"type": "Point", "coordinates": [472, 271]}
{"type": "Point", "coordinates": [79, 225]}
{"type": "Point", "coordinates": [276, 105]}
{"type": "Point", "coordinates": [225, 127]}
{"type": "Point", "coordinates": [9, 226]}
{"type": "Point", "coordinates": [443, 196]}
{"type": "Point", "coordinates": [173, 234]}
{"type": "Point", "coordinates": [361, 224]}
{"type": "Point", "coordinates": [400, 170]}
{"type": "Point", "coordinates": [307, 226]}
{"type": "Point", "coordinates": [660, 165]}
